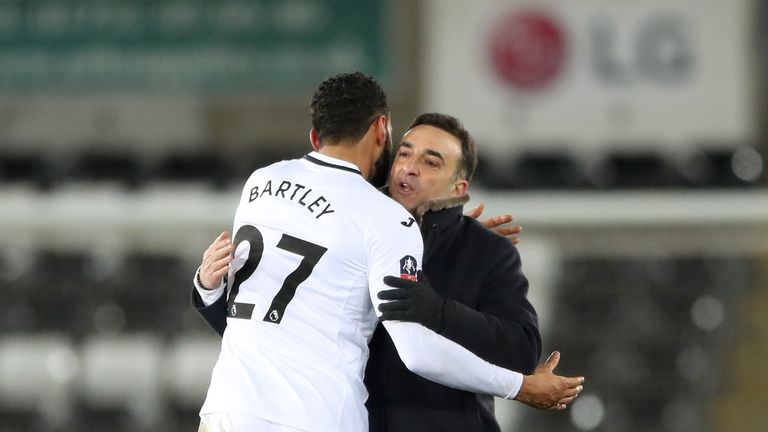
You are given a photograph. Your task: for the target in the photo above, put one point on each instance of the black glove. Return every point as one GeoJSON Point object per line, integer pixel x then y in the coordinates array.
{"type": "Point", "coordinates": [413, 301]}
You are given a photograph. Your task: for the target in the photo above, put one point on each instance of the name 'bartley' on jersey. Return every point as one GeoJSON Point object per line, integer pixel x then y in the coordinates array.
{"type": "Point", "coordinates": [295, 192]}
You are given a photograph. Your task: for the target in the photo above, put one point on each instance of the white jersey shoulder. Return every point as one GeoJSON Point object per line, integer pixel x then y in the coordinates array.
{"type": "Point", "coordinates": [313, 241]}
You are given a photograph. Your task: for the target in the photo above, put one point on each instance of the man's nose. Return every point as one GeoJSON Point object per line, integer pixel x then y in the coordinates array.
{"type": "Point", "coordinates": [409, 167]}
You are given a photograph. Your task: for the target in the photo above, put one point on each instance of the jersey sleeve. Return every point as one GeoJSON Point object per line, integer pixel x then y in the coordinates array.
{"type": "Point", "coordinates": [396, 249]}
{"type": "Point", "coordinates": [445, 362]}
{"type": "Point", "coordinates": [208, 296]}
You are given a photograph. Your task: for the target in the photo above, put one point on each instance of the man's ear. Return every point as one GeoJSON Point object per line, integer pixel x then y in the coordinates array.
{"type": "Point", "coordinates": [381, 130]}
{"type": "Point", "coordinates": [314, 139]}
{"type": "Point", "coordinates": [460, 187]}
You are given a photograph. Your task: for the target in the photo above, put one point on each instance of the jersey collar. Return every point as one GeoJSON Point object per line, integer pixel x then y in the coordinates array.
{"type": "Point", "coordinates": [331, 162]}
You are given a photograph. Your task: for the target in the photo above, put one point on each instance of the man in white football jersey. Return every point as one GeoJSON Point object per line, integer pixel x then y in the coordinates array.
{"type": "Point", "coordinates": [314, 241]}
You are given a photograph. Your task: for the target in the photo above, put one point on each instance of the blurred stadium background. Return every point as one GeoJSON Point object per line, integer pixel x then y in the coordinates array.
{"type": "Point", "coordinates": [626, 136]}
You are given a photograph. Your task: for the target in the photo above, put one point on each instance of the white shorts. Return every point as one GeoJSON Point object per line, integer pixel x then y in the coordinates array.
{"type": "Point", "coordinates": [230, 422]}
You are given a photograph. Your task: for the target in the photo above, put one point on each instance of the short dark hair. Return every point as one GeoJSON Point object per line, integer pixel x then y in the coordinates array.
{"type": "Point", "coordinates": [468, 162]}
{"type": "Point", "coordinates": [344, 106]}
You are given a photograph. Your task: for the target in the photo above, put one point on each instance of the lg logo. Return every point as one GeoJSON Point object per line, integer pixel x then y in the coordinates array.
{"type": "Point", "coordinates": [528, 50]}
{"type": "Point", "coordinates": [659, 51]}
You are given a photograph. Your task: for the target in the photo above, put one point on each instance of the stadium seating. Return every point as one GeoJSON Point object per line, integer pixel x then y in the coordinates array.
{"type": "Point", "coordinates": [640, 322]}
{"type": "Point", "coordinates": [187, 370]}
{"type": "Point", "coordinates": [531, 170]}
{"type": "Point", "coordinates": [36, 377]}
{"type": "Point", "coordinates": [136, 357]}
{"type": "Point", "coordinates": [120, 381]}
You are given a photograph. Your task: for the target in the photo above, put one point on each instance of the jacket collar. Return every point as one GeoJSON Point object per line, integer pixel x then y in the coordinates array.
{"type": "Point", "coordinates": [438, 205]}
{"type": "Point", "coordinates": [435, 205]}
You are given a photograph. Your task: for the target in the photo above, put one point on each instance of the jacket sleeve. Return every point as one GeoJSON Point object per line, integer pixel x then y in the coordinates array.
{"type": "Point", "coordinates": [504, 330]}
{"type": "Point", "coordinates": [215, 314]}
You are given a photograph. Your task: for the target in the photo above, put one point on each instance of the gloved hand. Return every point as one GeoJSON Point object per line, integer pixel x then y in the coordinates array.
{"type": "Point", "coordinates": [413, 301]}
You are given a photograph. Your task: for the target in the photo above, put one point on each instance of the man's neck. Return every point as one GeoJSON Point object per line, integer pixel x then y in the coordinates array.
{"type": "Point", "coordinates": [353, 153]}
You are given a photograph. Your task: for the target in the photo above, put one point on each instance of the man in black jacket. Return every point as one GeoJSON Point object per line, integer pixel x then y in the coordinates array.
{"type": "Point", "coordinates": [481, 291]}
{"type": "Point", "coordinates": [479, 296]}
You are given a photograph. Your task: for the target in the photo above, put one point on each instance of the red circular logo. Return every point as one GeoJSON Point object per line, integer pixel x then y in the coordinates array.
{"type": "Point", "coordinates": [527, 49]}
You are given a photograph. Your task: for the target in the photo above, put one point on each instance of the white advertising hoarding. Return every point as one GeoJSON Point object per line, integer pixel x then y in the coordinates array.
{"type": "Point", "coordinates": [588, 75]}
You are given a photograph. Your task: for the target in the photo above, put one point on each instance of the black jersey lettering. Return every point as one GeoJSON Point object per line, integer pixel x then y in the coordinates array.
{"type": "Point", "coordinates": [284, 186]}
{"type": "Point", "coordinates": [316, 204]}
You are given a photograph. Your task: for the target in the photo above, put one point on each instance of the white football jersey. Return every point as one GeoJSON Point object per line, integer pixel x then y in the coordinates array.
{"type": "Point", "coordinates": [313, 242]}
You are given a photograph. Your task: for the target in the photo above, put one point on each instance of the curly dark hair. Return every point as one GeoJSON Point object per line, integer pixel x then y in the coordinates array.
{"type": "Point", "coordinates": [344, 106]}
{"type": "Point", "coordinates": [468, 162]}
